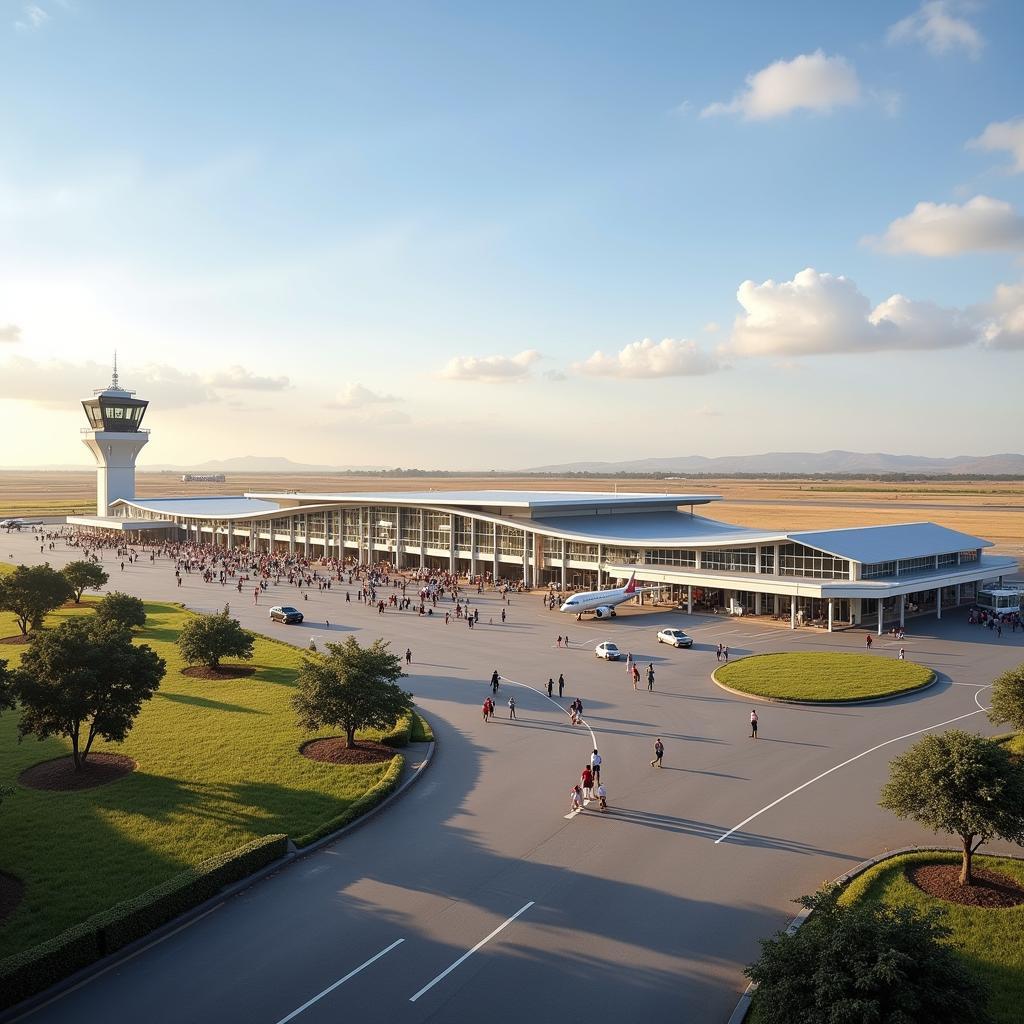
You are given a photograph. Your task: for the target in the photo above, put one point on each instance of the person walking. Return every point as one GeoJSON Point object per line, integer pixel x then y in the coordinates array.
{"type": "Point", "coordinates": [587, 782]}
{"type": "Point", "coordinates": [902, 655]}
{"type": "Point", "coordinates": [487, 709]}
{"type": "Point", "coordinates": [650, 676]}
{"type": "Point", "coordinates": [551, 686]}
{"type": "Point", "coordinates": [718, 653]}
{"type": "Point", "coordinates": [725, 655]}
{"type": "Point", "coordinates": [636, 675]}
{"type": "Point", "coordinates": [408, 655]}
{"type": "Point", "coordinates": [602, 795]}
{"type": "Point", "coordinates": [561, 684]}
{"type": "Point", "coordinates": [512, 708]}
{"type": "Point", "coordinates": [595, 765]}
{"type": "Point", "coordinates": [575, 799]}
{"type": "Point", "coordinates": [495, 681]}
{"type": "Point", "coordinates": [868, 641]}
{"type": "Point", "coordinates": [753, 724]}
{"type": "Point", "coordinates": [558, 642]}
{"type": "Point", "coordinates": [659, 752]}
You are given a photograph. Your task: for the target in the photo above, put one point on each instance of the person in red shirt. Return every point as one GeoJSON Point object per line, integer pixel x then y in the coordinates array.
{"type": "Point", "coordinates": [587, 782]}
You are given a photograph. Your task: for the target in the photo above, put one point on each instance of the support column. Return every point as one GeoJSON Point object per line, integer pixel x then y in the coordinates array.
{"type": "Point", "coordinates": [496, 563]}
{"type": "Point", "coordinates": [451, 543]}
{"type": "Point", "coordinates": [291, 534]}
{"type": "Point", "coordinates": [231, 535]}
{"type": "Point", "coordinates": [526, 557]}
{"type": "Point", "coordinates": [938, 602]}
{"type": "Point", "coordinates": [792, 611]}
{"type": "Point", "coordinates": [472, 546]}
{"type": "Point", "coordinates": [689, 598]}
{"type": "Point", "coordinates": [359, 545]}
{"type": "Point", "coordinates": [956, 595]}
{"type": "Point", "coordinates": [600, 559]}
{"type": "Point", "coordinates": [881, 615]}
{"type": "Point", "coordinates": [423, 538]}
{"type": "Point", "coordinates": [398, 537]}
{"type": "Point", "coordinates": [903, 610]}
{"type": "Point", "coordinates": [565, 548]}
{"type": "Point", "coordinates": [830, 614]}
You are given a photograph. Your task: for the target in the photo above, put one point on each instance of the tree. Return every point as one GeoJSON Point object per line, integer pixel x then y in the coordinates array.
{"type": "Point", "coordinates": [962, 784]}
{"type": "Point", "coordinates": [864, 962]}
{"type": "Point", "coordinates": [32, 591]}
{"type": "Point", "coordinates": [121, 608]}
{"type": "Point", "coordinates": [351, 687]}
{"type": "Point", "coordinates": [84, 675]}
{"type": "Point", "coordinates": [84, 576]}
{"type": "Point", "coordinates": [1008, 698]}
{"type": "Point", "coordinates": [205, 639]}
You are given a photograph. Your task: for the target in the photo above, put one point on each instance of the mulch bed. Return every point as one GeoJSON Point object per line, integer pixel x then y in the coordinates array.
{"type": "Point", "coordinates": [60, 775]}
{"type": "Point", "coordinates": [991, 889]}
{"type": "Point", "coordinates": [11, 891]}
{"type": "Point", "coordinates": [224, 672]}
{"type": "Point", "coordinates": [333, 751]}
{"type": "Point", "coordinates": [19, 639]}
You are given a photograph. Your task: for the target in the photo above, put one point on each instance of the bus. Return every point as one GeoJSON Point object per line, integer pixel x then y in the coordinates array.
{"type": "Point", "coordinates": [1002, 600]}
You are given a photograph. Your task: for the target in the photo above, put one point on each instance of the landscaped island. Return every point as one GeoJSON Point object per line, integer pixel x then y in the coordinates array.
{"type": "Point", "coordinates": [823, 677]}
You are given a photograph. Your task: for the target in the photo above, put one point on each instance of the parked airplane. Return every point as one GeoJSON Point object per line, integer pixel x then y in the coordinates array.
{"type": "Point", "coordinates": [603, 602]}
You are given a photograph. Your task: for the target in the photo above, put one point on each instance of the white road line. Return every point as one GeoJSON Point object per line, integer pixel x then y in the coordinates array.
{"type": "Point", "coordinates": [466, 956]}
{"type": "Point", "coordinates": [835, 768]}
{"type": "Point", "coordinates": [341, 981]}
{"type": "Point", "coordinates": [505, 679]}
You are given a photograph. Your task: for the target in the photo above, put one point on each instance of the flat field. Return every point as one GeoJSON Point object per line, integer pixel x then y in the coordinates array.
{"type": "Point", "coordinates": [990, 509]}
{"type": "Point", "coordinates": [218, 765]}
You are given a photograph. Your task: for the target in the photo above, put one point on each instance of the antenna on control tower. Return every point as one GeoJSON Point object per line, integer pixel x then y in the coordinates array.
{"type": "Point", "coordinates": [113, 380]}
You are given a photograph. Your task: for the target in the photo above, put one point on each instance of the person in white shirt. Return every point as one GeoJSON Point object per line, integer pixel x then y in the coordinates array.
{"type": "Point", "coordinates": [595, 765]}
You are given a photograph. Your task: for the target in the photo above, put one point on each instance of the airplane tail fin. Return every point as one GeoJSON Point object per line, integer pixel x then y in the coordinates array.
{"type": "Point", "coordinates": [631, 585]}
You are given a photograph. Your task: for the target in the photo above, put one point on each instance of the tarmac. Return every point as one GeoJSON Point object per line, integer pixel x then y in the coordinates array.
{"type": "Point", "coordinates": [476, 896]}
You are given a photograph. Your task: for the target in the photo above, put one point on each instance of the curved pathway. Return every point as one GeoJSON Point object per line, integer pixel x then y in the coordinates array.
{"type": "Point", "coordinates": [474, 895]}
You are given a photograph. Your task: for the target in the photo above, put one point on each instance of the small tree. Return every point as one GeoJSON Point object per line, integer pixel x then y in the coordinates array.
{"type": "Point", "coordinates": [84, 576]}
{"type": "Point", "coordinates": [864, 962]}
{"type": "Point", "coordinates": [962, 784]}
{"type": "Point", "coordinates": [1008, 698]}
{"type": "Point", "coordinates": [121, 608]}
{"type": "Point", "coordinates": [32, 591]}
{"type": "Point", "coordinates": [205, 639]}
{"type": "Point", "coordinates": [351, 687]}
{"type": "Point", "coordinates": [84, 679]}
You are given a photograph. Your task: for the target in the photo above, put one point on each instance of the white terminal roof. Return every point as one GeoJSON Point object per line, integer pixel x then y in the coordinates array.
{"type": "Point", "coordinates": [603, 518]}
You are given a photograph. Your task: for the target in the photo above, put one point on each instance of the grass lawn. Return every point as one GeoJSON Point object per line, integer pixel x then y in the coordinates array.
{"type": "Point", "coordinates": [823, 677]}
{"type": "Point", "coordinates": [218, 765]}
{"type": "Point", "coordinates": [991, 941]}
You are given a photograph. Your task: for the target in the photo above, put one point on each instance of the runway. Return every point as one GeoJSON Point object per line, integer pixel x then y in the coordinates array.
{"type": "Point", "coordinates": [474, 895]}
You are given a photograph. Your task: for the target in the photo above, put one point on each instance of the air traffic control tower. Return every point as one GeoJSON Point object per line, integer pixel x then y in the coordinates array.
{"type": "Point", "coordinates": [115, 437]}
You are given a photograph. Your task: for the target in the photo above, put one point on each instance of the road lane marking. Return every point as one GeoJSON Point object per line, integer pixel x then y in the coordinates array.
{"type": "Point", "coordinates": [505, 679]}
{"type": "Point", "coordinates": [465, 956]}
{"type": "Point", "coordinates": [856, 757]}
{"type": "Point", "coordinates": [341, 981]}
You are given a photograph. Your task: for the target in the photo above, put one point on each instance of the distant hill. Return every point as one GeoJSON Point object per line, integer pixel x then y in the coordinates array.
{"type": "Point", "coordinates": [838, 462]}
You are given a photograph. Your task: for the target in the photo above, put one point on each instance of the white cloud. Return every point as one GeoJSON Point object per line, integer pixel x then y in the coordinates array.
{"type": "Point", "coordinates": [237, 378]}
{"type": "Point", "coordinates": [982, 224]}
{"type": "Point", "coordinates": [355, 396]}
{"type": "Point", "coordinates": [936, 25]}
{"type": "Point", "coordinates": [1003, 135]}
{"type": "Point", "coordinates": [811, 81]}
{"type": "Point", "coordinates": [10, 332]}
{"type": "Point", "coordinates": [60, 384]}
{"type": "Point", "coordinates": [711, 327]}
{"type": "Point", "coordinates": [817, 313]}
{"type": "Point", "coordinates": [491, 368]}
{"type": "Point", "coordinates": [672, 357]}
{"type": "Point", "coordinates": [33, 18]}
{"type": "Point", "coordinates": [1004, 317]}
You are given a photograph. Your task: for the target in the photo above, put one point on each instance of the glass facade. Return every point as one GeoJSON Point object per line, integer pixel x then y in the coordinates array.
{"type": "Point", "coordinates": [670, 556]}
{"type": "Point", "coordinates": [729, 559]}
{"type": "Point", "coordinates": [768, 559]}
{"type": "Point", "coordinates": [908, 566]}
{"type": "Point", "coordinates": [800, 560]}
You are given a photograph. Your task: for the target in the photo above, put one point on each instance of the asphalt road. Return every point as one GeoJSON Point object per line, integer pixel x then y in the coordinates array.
{"type": "Point", "coordinates": [642, 913]}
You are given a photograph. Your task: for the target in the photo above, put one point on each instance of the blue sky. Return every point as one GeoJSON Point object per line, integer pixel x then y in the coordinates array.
{"type": "Point", "coordinates": [473, 236]}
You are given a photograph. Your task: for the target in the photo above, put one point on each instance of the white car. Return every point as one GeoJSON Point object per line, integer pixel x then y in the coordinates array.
{"type": "Point", "coordinates": [608, 651]}
{"type": "Point", "coordinates": [675, 637]}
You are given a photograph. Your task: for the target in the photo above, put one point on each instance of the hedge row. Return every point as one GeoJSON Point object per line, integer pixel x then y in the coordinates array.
{"type": "Point", "coordinates": [399, 734]}
{"type": "Point", "coordinates": [35, 969]}
{"type": "Point", "coordinates": [373, 796]}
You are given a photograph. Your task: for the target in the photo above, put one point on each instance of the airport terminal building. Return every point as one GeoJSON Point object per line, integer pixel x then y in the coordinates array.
{"type": "Point", "coordinates": [873, 575]}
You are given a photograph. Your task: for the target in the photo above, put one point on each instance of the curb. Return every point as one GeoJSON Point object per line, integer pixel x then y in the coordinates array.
{"type": "Point", "coordinates": [165, 931]}
{"type": "Point", "coordinates": [827, 703]}
{"type": "Point", "coordinates": [739, 1014]}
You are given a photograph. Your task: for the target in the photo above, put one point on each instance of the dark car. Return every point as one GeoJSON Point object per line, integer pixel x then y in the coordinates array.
{"type": "Point", "coordinates": [286, 614]}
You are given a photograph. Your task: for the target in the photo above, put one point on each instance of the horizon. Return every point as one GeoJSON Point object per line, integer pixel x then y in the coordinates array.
{"type": "Point", "coordinates": [433, 235]}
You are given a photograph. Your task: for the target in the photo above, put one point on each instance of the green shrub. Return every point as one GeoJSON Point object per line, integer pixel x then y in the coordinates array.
{"type": "Point", "coordinates": [421, 731]}
{"type": "Point", "coordinates": [399, 734]}
{"type": "Point", "coordinates": [36, 969]}
{"type": "Point", "coordinates": [370, 799]}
